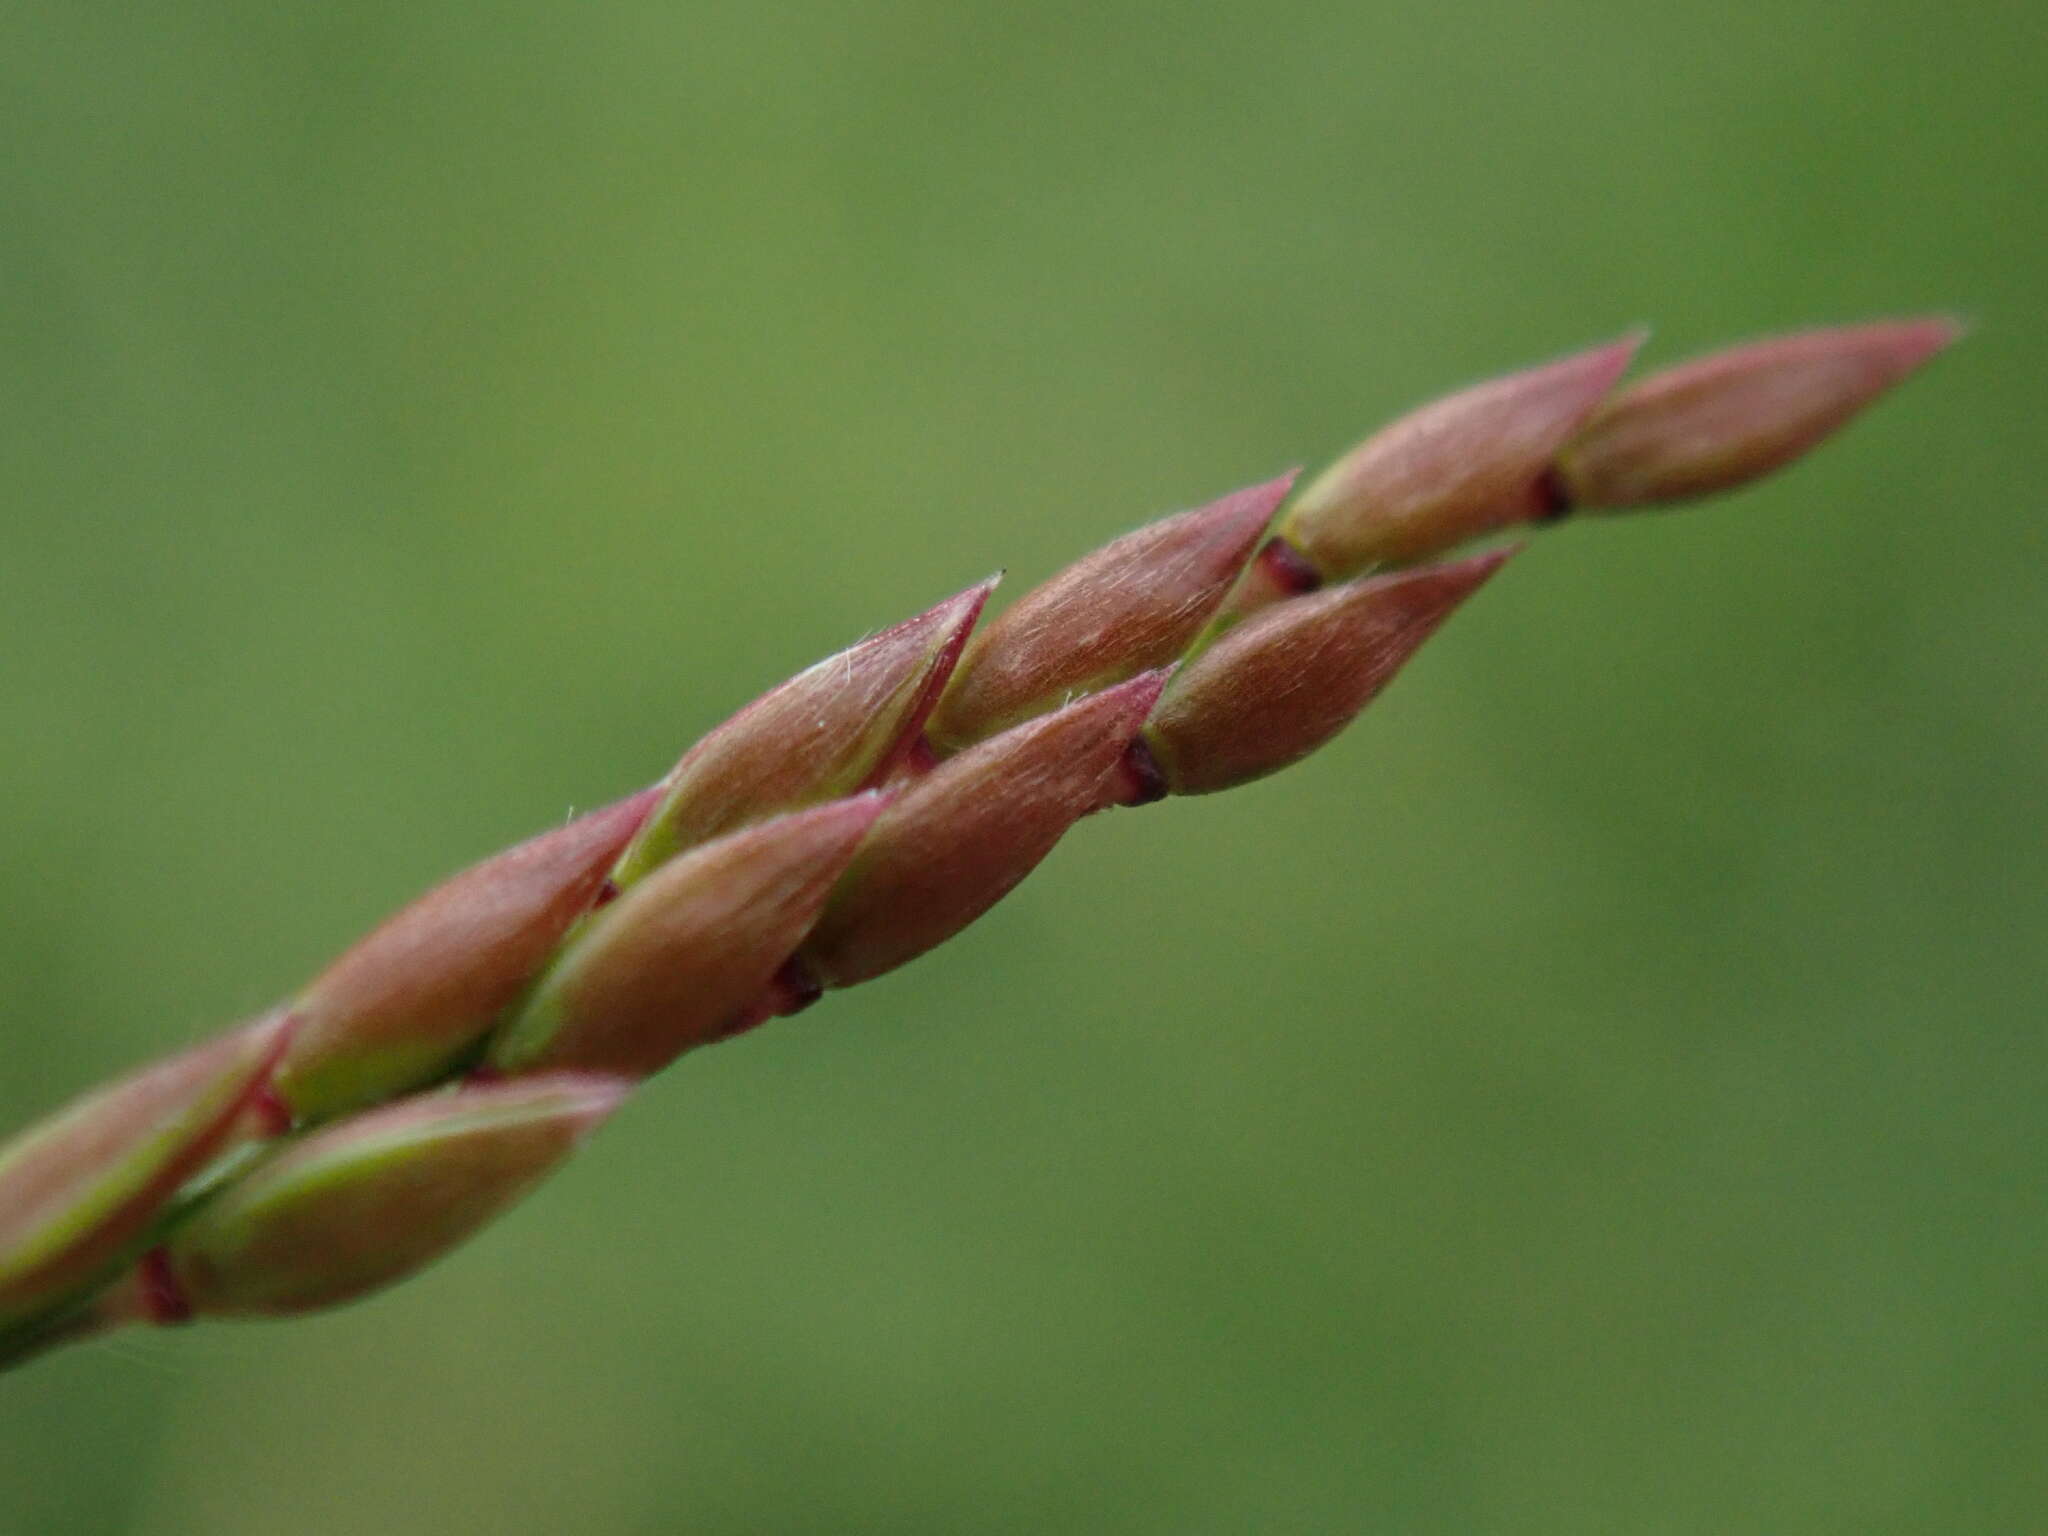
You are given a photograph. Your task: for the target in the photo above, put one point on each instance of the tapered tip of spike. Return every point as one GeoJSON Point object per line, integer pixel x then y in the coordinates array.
{"type": "Point", "coordinates": [1733, 416]}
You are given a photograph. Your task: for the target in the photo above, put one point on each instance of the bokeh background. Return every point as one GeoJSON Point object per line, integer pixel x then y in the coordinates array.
{"type": "Point", "coordinates": [1601, 1093]}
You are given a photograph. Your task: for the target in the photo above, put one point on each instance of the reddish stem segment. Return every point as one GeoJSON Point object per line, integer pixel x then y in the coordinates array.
{"type": "Point", "coordinates": [1552, 498]}
{"type": "Point", "coordinates": [163, 1301]}
{"type": "Point", "coordinates": [1139, 780]}
{"type": "Point", "coordinates": [1287, 569]}
{"type": "Point", "coordinates": [273, 1117]}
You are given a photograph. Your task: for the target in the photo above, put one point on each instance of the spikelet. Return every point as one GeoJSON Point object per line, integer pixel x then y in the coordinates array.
{"type": "Point", "coordinates": [840, 825]}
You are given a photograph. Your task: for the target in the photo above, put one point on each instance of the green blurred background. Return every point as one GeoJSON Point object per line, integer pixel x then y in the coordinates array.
{"type": "Point", "coordinates": [1601, 1093]}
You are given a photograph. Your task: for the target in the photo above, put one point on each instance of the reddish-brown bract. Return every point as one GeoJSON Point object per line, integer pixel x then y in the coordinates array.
{"type": "Point", "coordinates": [1463, 466]}
{"type": "Point", "coordinates": [407, 1002]}
{"type": "Point", "coordinates": [838, 726]}
{"type": "Point", "coordinates": [955, 841]}
{"type": "Point", "coordinates": [88, 1184]}
{"type": "Point", "coordinates": [351, 1207]}
{"type": "Point", "coordinates": [1739, 414]}
{"type": "Point", "coordinates": [682, 953]}
{"type": "Point", "coordinates": [1283, 682]}
{"type": "Point", "coordinates": [1132, 605]}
